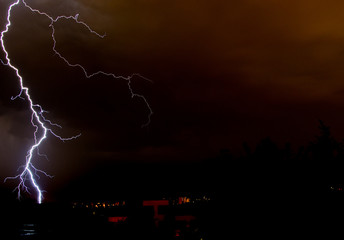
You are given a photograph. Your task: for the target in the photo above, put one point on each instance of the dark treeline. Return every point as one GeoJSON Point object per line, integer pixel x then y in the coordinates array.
{"type": "Point", "coordinates": [315, 166]}
{"type": "Point", "coordinates": [272, 190]}
{"type": "Point", "coordinates": [323, 149]}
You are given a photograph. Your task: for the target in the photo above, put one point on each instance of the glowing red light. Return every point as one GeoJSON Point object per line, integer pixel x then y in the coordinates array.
{"type": "Point", "coordinates": [117, 219]}
{"type": "Point", "coordinates": [155, 203]}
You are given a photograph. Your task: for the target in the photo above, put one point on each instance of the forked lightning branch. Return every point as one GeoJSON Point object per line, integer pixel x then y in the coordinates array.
{"type": "Point", "coordinates": [29, 176]}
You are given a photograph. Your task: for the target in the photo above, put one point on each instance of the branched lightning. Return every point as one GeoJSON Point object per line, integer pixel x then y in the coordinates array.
{"type": "Point", "coordinates": [41, 124]}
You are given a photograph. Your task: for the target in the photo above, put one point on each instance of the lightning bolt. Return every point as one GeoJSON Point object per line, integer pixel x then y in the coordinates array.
{"type": "Point", "coordinates": [41, 124]}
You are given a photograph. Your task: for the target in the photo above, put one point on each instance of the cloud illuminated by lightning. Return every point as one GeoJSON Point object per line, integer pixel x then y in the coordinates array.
{"type": "Point", "coordinates": [41, 124]}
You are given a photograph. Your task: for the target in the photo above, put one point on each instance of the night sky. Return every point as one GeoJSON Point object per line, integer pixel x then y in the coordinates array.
{"type": "Point", "coordinates": [223, 72]}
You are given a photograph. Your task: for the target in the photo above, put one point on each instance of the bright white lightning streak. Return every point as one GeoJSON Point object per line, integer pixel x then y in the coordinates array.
{"type": "Point", "coordinates": [38, 121]}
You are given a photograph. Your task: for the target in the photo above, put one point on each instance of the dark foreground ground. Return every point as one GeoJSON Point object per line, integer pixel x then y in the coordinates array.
{"type": "Point", "coordinates": [132, 221]}
{"type": "Point", "coordinates": [252, 200]}
{"type": "Point", "coordinates": [286, 200]}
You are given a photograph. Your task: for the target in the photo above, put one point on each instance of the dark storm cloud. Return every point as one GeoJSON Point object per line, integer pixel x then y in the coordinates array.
{"type": "Point", "coordinates": [15, 138]}
{"type": "Point", "coordinates": [223, 72]}
{"type": "Point", "coordinates": [206, 59]}
{"type": "Point", "coordinates": [287, 47]}
{"type": "Point", "coordinates": [57, 7]}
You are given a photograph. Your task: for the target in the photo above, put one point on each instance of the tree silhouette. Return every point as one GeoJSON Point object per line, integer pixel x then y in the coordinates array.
{"type": "Point", "coordinates": [267, 151]}
{"type": "Point", "coordinates": [325, 148]}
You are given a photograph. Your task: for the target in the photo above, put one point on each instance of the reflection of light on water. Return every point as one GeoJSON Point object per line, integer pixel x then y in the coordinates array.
{"type": "Point", "coordinates": [28, 229]}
